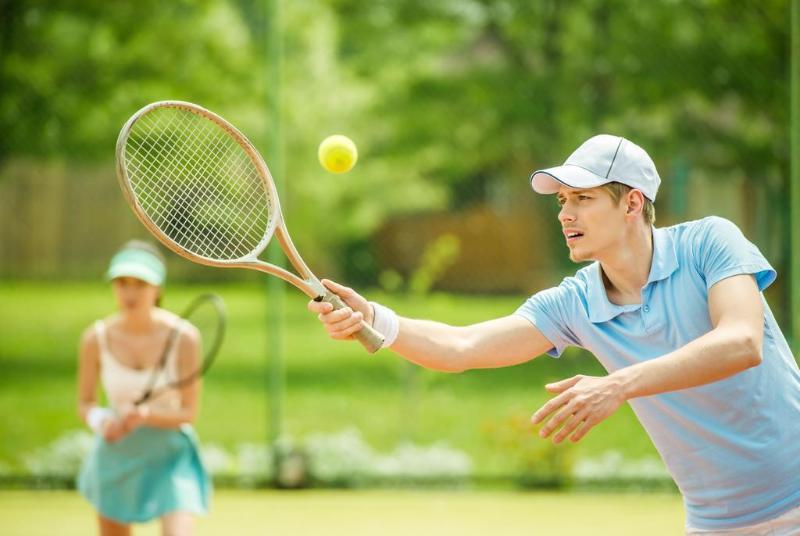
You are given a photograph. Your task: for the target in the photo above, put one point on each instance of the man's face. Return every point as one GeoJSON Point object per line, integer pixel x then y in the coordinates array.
{"type": "Point", "coordinates": [592, 222]}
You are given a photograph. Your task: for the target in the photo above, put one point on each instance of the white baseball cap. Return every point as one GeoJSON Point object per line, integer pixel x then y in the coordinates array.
{"type": "Point", "coordinates": [600, 160]}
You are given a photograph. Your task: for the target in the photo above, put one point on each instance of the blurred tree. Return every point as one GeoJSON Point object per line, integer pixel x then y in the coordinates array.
{"type": "Point", "coordinates": [73, 72]}
{"type": "Point", "coordinates": [452, 103]}
{"type": "Point", "coordinates": [477, 93]}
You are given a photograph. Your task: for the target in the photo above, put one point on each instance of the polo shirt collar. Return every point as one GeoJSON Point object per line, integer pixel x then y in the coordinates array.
{"type": "Point", "coordinates": [665, 262]}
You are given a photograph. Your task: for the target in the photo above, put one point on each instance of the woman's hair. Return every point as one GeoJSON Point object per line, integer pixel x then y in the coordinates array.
{"type": "Point", "coordinates": [616, 190]}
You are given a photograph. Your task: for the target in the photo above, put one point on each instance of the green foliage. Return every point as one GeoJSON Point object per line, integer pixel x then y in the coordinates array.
{"type": "Point", "coordinates": [537, 462]}
{"type": "Point", "coordinates": [451, 102]}
{"type": "Point", "coordinates": [330, 386]}
{"type": "Point", "coordinates": [390, 281]}
{"type": "Point", "coordinates": [72, 74]}
{"type": "Point", "coordinates": [438, 256]}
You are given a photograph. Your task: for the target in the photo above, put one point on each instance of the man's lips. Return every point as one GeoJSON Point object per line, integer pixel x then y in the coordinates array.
{"type": "Point", "coordinates": [572, 235]}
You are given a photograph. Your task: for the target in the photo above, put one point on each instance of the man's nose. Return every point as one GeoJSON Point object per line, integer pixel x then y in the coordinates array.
{"type": "Point", "coordinates": [565, 215]}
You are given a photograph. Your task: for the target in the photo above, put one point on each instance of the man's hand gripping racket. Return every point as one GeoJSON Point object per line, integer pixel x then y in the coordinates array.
{"type": "Point", "coordinates": [202, 189]}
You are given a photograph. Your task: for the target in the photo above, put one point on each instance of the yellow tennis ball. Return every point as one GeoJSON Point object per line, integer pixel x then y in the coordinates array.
{"type": "Point", "coordinates": [337, 153]}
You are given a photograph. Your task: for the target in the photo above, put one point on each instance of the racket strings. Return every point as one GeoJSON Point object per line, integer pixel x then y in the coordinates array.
{"type": "Point", "coordinates": [213, 156]}
{"type": "Point", "coordinates": [200, 241]}
{"type": "Point", "coordinates": [197, 184]}
{"type": "Point", "coordinates": [179, 204]}
{"type": "Point", "coordinates": [207, 316]}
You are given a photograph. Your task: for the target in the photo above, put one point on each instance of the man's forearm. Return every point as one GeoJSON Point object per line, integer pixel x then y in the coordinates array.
{"type": "Point", "coordinates": [432, 345]}
{"type": "Point", "coordinates": [501, 342]}
{"type": "Point", "coordinates": [716, 355]}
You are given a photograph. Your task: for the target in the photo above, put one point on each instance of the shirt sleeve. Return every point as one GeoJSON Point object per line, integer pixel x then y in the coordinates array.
{"type": "Point", "coordinates": [722, 251]}
{"type": "Point", "coordinates": [547, 311]}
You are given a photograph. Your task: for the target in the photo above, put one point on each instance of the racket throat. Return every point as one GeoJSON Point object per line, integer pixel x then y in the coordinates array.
{"type": "Point", "coordinates": [318, 288]}
{"type": "Point", "coordinates": [144, 398]}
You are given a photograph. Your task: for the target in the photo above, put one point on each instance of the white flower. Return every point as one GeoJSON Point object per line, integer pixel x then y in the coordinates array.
{"type": "Point", "coordinates": [62, 457]}
{"type": "Point", "coordinates": [611, 465]}
{"type": "Point", "coordinates": [216, 459]}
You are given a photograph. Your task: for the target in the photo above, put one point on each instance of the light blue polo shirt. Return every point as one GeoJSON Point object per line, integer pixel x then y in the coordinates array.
{"type": "Point", "coordinates": [732, 446]}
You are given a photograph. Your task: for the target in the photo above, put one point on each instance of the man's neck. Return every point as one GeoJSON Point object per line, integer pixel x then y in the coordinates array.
{"type": "Point", "coordinates": [626, 271]}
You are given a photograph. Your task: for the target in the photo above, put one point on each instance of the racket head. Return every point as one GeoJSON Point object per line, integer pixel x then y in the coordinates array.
{"type": "Point", "coordinates": [207, 316]}
{"type": "Point", "coordinates": [197, 183]}
{"type": "Point", "coordinates": [202, 189]}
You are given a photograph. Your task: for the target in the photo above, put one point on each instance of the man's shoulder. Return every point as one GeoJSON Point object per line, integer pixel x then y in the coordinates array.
{"type": "Point", "coordinates": [700, 226]}
{"type": "Point", "coordinates": [693, 233]}
{"type": "Point", "coordinates": [576, 285]}
{"type": "Point", "coordinates": [568, 296]}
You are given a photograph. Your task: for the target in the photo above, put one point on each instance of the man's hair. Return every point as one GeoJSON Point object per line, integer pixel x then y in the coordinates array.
{"type": "Point", "coordinates": [616, 190]}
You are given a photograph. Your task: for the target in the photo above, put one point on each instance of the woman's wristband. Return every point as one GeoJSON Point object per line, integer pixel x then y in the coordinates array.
{"type": "Point", "coordinates": [96, 416]}
{"type": "Point", "coordinates": [385, 322]}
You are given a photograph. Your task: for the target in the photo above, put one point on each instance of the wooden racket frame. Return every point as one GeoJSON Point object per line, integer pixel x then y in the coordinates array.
{"type": "Point", "coordinates": [306, 281]}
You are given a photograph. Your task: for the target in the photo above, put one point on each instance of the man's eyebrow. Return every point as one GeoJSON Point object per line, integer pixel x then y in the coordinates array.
{"type": "Point", "coordinates": [562, 195]}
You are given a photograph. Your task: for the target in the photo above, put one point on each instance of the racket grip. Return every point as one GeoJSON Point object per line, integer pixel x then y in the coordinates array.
{"type": "Point", "coordinates": [367, 336]}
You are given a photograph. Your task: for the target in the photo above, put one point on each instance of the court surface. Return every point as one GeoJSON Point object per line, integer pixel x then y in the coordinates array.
{"type": "Point", "coordinates": [382, 513]}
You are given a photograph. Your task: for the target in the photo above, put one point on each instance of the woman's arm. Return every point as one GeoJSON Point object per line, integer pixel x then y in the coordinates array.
{"type": "Point", "coordinates": [100, 420]}
{"type": "Point", "coordinates": [88, 372]}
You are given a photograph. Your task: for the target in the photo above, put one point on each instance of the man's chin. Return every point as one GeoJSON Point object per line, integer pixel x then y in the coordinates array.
{"type": "Point", "coordinates": [577, 256]}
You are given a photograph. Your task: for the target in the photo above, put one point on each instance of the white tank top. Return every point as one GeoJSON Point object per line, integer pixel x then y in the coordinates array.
{"type": "Point", "coordinates": [124, 385]}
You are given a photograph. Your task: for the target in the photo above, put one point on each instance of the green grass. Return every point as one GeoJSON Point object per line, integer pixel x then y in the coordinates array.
{"type": "Point", "coordinates": [329, 385]}
{"type": "Point", "coordinates": [387, 513]}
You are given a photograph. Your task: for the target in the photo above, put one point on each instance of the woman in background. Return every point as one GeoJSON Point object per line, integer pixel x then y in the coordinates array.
{"type": "Point", "coordinates": [145, 462]}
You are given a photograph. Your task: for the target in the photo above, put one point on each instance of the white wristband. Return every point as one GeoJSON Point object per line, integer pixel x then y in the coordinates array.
{"type": "Point", "coordinates": [96, 417]}
{"type": "Point", "coordinates": [385, 322]}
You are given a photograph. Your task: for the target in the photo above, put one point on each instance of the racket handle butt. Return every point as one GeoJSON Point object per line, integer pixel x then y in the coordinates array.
{"type": "Point", "coordinates": [370, 339]}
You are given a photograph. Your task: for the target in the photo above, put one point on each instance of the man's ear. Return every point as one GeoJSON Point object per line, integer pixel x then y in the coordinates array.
{"type": "Point", "coordinates": [635, 202]}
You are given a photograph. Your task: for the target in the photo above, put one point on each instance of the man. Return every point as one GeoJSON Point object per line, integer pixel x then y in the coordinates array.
{"type": "Point", "coordinates": [677, 318]}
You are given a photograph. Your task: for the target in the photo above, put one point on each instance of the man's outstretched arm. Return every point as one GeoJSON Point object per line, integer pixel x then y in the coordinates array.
{"type": "Point", "coordinates": [496, 343]}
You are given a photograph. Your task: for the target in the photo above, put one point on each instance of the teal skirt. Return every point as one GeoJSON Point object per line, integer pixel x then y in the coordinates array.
{"type": "Point", "coordinates": [148, 473]}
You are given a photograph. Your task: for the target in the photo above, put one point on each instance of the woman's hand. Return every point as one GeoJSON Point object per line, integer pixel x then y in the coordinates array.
{"type": "Point", "coordinates": [135, 417]}
{"type": "Point", "coordinates": [116, 428]}
{"type": "Point", "coordinates": [113, 430]}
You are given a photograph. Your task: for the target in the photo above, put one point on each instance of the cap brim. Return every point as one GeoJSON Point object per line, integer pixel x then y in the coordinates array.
{"type": "Point", "coordinates": [550, 181]}
{"type": "Point", "coordinates": [137, 270]}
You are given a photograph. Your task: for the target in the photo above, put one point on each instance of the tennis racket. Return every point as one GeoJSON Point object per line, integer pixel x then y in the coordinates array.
{"type": "Point", "coordinates": [203, 190]}
{"type": "Point", "coordinates": [207, 314]}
